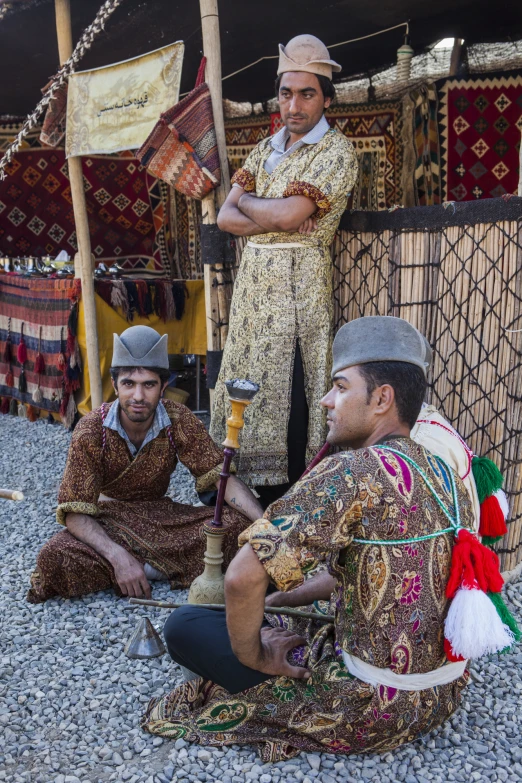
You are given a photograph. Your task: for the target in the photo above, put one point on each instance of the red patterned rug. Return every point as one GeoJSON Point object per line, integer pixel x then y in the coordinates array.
{"type": "Point", "coordinates": [375, 131]}
{"type": "Point", "coordinates": [128, 208]}
{"type": "Point", "coordinates": [480, 127]}
{"type": "Point", "coordinates": [242, 135]}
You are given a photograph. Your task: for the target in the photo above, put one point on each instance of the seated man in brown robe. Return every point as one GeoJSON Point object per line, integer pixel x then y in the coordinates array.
{"type": "Point", "coordinates": [120, 526]}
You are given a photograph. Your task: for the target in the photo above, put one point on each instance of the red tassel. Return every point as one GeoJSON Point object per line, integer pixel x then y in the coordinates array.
{"type": "Point", "coordinates": [450, 655]}
{"type": "Point", "coordinates": [39, 364]}
{"type": "Point", "coordinates": [492, 521]}
{"type": "Point", "coordinates": [473, 564]}
{"type": "Point", "coordinates": [4, 407]}
{"type": "Point", "coordinates": [21, 354]}
{"type": "Point", "coordinates": [61, 362]}
{"type": "Point", "coordinates": [9, 378]}
{"type": "Point", "coordinates": [32, 414]}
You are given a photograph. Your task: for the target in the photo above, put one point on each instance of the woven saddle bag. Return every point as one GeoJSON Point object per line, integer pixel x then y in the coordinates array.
{"type": "Point", "coordinates": [182, 147]}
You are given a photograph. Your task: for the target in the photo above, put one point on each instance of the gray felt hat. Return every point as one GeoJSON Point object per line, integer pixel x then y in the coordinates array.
{"type": "Point", "coordinates": [379, 338]}
{"type": "Point", "coordinates": [140, 346]}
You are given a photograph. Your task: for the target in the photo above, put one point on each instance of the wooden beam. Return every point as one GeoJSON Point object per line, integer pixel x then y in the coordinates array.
{"type": "Point", "coordinates": [83, 262]}
{"type": "Point", "coordinates": [456, 53]}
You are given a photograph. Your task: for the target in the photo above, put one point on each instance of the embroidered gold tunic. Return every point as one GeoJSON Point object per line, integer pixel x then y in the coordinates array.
{"type": "Point", "coordinates": [281, 296]}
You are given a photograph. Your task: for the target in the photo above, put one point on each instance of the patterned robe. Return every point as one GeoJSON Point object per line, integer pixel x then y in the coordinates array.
{"type": "Point", "coordinates": [389, 606]}
{"type": "Point", "coordinates": [134, 512]}
{"type": "Point", "coordinates": [281, 296]}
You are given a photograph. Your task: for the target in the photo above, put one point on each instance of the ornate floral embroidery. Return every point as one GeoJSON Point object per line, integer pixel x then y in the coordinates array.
{"type": "Point", "coordinates": [310, 191]}
{"type": "Point", "coordinates": [245, 179]}
{"type": "Point", "coordinates": [384, 614]}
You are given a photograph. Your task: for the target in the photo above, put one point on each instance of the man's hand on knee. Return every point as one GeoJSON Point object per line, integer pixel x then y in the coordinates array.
{"type": "Point", "coordinates": [130, 575]}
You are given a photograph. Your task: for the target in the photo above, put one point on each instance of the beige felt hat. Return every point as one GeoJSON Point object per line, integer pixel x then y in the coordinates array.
{"type": "Point", "coordinates": [306, 53]}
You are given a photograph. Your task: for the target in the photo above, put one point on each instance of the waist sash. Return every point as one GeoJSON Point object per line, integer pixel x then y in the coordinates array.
{"type": "Point", "coordinates": [276, 245]}
{"type": "Point", "coordinates": [373, 675]}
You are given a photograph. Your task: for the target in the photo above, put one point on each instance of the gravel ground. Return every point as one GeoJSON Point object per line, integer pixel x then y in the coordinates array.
{"type": "Point", "coordinates": [70, 700]}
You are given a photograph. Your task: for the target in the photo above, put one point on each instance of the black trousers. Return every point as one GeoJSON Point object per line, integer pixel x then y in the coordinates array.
{"type": "Point", "coordinates": [297, 436]}
{"type": "Point", "coordinates": [198, 639]}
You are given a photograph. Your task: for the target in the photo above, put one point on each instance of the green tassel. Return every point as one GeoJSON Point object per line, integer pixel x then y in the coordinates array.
{"type": "Point", "coordinates": [488, 477]}
{"type": "Point", "coordinates": [490, 540]}
{"type": "Point", "coordinates": [506, 616]}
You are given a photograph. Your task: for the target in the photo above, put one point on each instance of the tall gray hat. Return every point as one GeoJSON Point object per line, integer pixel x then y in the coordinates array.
{"type": "Point", "coordinates": [140, 346]}
{"type": "Point", "coordinates": [379, 338]}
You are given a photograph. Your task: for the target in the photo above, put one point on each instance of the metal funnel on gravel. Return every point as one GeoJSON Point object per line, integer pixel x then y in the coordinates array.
{"type": "Point", "coordinates": [145, 642]}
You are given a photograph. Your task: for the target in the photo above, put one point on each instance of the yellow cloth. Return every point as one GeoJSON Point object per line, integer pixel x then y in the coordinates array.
{"type": "Point", "coordinates": [185, 336]}
{"type": "Point", "coordinates": [115, 108]}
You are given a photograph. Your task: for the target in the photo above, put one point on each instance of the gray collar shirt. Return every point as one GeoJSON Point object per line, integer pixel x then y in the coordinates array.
{"type": "Point", "coordinates": [279, 139]}
{"type": "Point", "coordinates": [160, 421]}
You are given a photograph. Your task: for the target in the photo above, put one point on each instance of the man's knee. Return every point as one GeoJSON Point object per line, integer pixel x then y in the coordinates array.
{"type": "Point", "coordinates": [177, 632]}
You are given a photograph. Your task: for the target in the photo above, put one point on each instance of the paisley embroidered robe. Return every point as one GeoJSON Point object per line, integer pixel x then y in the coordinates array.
{"type": "Point", "coordinates": [389, 607]}
{"type": "Point", "coordinates": [127, 496]}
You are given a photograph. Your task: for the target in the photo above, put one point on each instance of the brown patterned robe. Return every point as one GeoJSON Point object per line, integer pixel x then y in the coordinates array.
{"type": "Point", "coordinates": [390, 607]}
{"type": "Point", "coordinates": [138, 516]}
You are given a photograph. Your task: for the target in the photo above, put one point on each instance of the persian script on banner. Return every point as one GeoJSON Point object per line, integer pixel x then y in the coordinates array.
{"type": "Point", "coordinates": [114, 108]}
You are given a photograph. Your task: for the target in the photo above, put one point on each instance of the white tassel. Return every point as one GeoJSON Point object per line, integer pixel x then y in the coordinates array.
{"type": "Point", "coordinates": [503, 502]}
{"type": "Point", "coordinates": [473, 627]}
{"type": "Point", "coordinates": [37, 395]}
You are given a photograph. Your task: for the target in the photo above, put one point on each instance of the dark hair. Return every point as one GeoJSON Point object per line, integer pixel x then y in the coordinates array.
{"type": "Point", "coordinates": [408, 382]}
{"type": "Point", "coordinates": [326, 85]}
{"type": "Point", "coordinates": [164, 374]}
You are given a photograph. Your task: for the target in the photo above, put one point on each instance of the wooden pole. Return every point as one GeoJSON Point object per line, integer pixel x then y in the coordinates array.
{"type": "Point", "coordinates": [83, 265]}
{"type": "Point", "coordinates": [456, 53]}
{"type": "Point", "coordinates": [213, 273]}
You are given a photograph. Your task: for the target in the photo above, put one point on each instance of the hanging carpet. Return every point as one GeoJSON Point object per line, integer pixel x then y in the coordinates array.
{"type": "Point", "coordinates": [480, 127]}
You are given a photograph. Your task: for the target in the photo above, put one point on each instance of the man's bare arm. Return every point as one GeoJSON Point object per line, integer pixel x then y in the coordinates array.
{"type": "Point", "coordinates": [319, 588]}
{"type": "Point", "coordinates": [231, 219]}
{"type": "Point", "coordinates": [238, 496]}
{"type": "Point", "coordinates": [277, 214]}
{"type": "Point", "coordinates": [128, 571]}
{"type": "Point", "coordinates": [245, 587]}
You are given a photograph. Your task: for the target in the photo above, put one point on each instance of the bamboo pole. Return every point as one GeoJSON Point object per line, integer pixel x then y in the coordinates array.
{"type": "Point", "coordinates": [215, 299]}
{"type": "Point", "coordinates": [83, 265]}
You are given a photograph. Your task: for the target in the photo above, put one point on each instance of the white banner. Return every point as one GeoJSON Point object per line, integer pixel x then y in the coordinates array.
{"type": "Point", "coordinates": [115, 108]}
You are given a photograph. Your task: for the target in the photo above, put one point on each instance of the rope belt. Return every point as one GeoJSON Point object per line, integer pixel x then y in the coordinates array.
{"type": "Point", "coordinates": [373, 675]}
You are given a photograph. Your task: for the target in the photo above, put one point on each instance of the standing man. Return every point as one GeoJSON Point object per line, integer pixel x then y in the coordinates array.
{"type": "Point", "coordinates": [121, 528]}
{"type": "Point", "coordinates": [288, 199]}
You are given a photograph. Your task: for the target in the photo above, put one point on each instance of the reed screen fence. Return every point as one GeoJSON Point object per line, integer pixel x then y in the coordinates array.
{"type": "Point", "coordinates": [461, 285]}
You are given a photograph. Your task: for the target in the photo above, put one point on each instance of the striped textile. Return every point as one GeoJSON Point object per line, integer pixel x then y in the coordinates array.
{"type": "Point", "coordinates": [37, 304]}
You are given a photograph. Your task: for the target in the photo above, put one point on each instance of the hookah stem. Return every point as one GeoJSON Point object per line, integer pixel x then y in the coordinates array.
{"type": "Point", "coordinates": [224, 475]}
{"type": "Point", "coordinates": [322, 618]}
{"type": "Point", "coordinates": [321, 454]}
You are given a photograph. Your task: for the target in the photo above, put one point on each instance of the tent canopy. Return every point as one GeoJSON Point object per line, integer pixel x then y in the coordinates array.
{"type": "Point", "coordinates": [28, 48]}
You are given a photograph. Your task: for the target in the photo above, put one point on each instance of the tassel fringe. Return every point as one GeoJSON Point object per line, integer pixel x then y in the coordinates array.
{"type": "Point", "coordinates": [473, 626]}
{"type": "Point", "coordinates": [37, 395]}
{"type": "Point", "coordinates": [492, 521]}
{"type": "Point", "coordinates": [4, 406]}
{"type": "Point", "coordinates": [13, 407]}
{"type": "Point", "coordinates": [22, 413]}
{"type": "Point", "coordinates": [505, 615]}
{"type": "Point", "coordinates": [488, 477]}
{"type": "Point", "coordinates": [32, 413]}
{"type": "Point", "coordinates": [9, 378]}
{"type": "Point", "coordinates": [22, 382]}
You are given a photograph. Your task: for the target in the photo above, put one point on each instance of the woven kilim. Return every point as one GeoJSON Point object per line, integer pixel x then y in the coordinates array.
{"type": "Point", "coordinates": [242, 135]}
{"type": "Point", "coordinates": [480, 127]}
{"type": "Point", "coordinates": [426, 144]}
{"type": "Point", "coordinates": [127, 207]}
{"type": "Point", "coordinates": [42, 308]}
{"type": "Point", "coordinates": [375, 131]}
{"type": "Point", "coordinates": [185, 219]}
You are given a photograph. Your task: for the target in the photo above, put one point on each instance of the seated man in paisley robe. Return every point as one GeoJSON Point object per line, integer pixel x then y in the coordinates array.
{"type": "Point", "coordinates": [380, 516]}
{"type": "Point", "coordinates": [121, 528]}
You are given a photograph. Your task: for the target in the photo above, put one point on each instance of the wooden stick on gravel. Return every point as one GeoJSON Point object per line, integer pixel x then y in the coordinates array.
{"type": "Point", "coordinates": [11, 494]}
{"type": "Point", "coordinates": [323, 618]}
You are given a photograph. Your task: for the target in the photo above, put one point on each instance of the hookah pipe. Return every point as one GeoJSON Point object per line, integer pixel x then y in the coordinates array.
{"type": "Point", "coordinates": [208, 588]}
